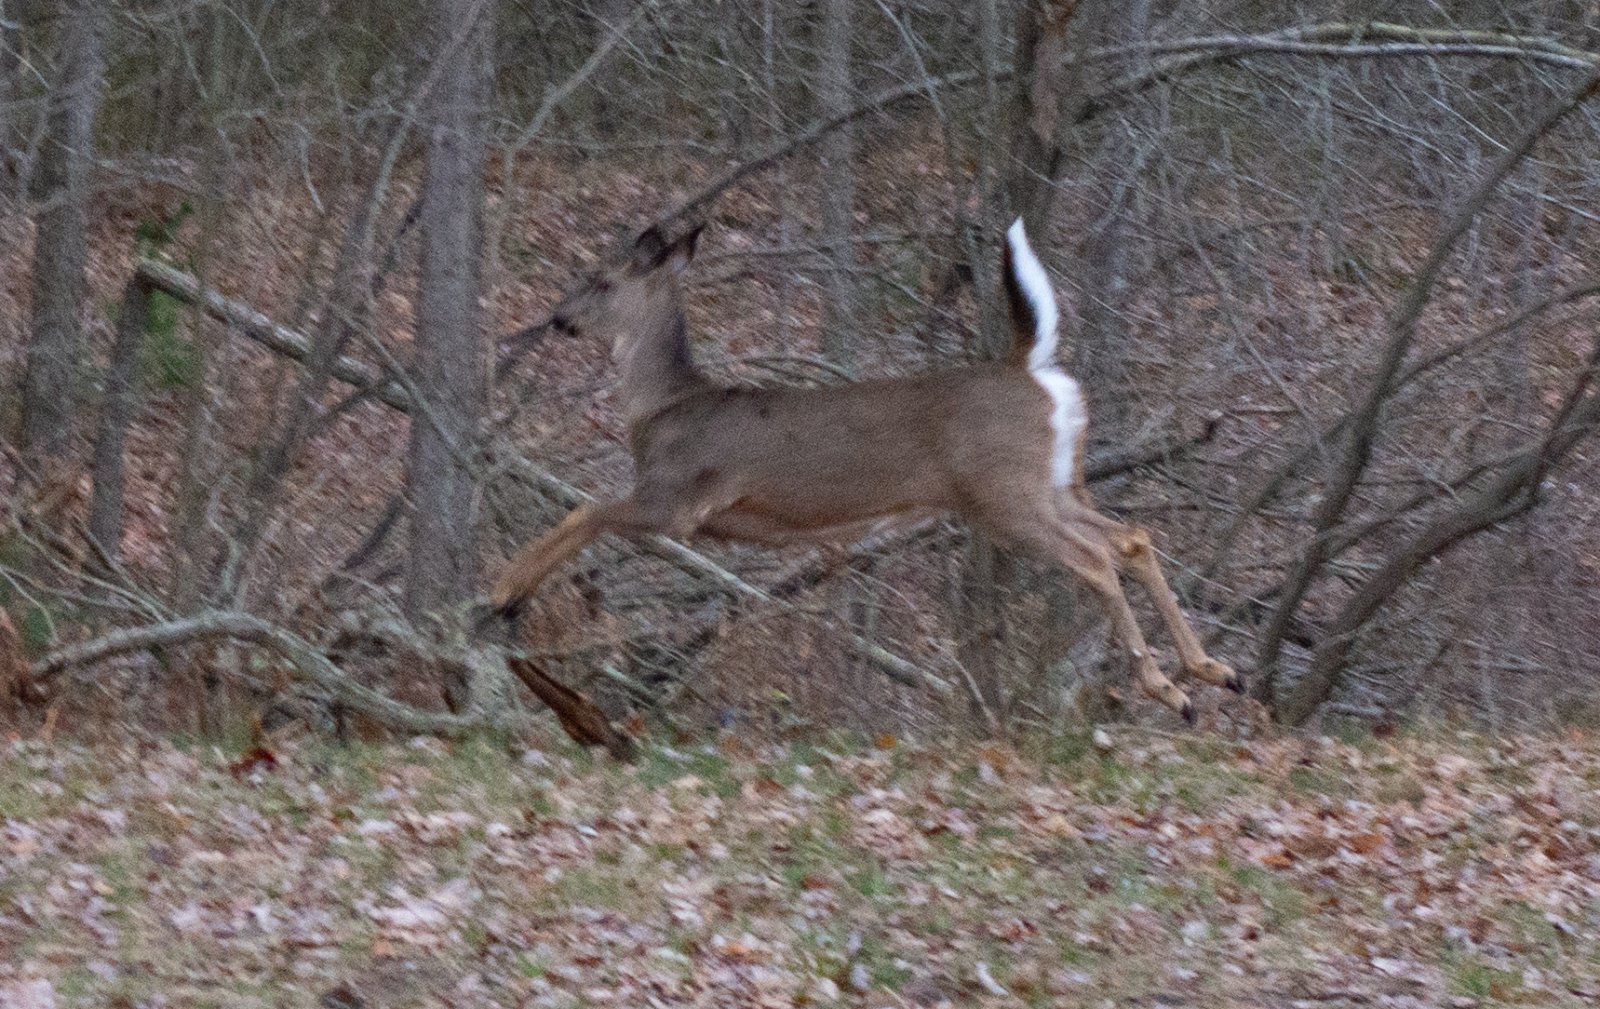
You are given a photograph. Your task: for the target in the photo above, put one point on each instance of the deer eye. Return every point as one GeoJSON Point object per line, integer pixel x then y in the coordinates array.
{"type": "Point", "coordinates": [602, 287]}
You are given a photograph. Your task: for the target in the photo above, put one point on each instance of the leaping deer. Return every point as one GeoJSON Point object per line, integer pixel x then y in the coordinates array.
{"type": "Point", "coordinates": [1000, 445]}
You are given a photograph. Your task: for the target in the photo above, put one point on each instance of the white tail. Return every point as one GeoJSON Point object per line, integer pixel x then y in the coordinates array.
{"type": "Point", "coordinates": [1030, 277]}
{"type": "Point", "coordinates": [1001, 445]}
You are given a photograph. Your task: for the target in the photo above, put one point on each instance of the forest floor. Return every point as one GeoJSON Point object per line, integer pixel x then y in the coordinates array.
{"type": "Point", "coordinates": [1419, 869]}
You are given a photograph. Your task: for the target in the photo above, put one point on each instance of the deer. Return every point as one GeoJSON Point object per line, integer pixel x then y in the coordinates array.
{"type": "Point", "coordinates": [998, 445]}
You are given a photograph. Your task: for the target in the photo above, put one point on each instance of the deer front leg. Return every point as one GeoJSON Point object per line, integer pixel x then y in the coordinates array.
{"type": "Point", "coordinates": [534, 562]}
{"type": "Point", "coordinates": [631, 517]}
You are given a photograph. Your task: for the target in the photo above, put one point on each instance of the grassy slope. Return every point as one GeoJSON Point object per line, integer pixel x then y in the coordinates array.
{"type": "Point", "coordinates": [1438, 870]}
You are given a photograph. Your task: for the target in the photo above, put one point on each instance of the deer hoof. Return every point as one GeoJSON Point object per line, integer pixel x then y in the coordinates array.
{"type": "Point", "coordinates": [491, 620]}
{"type": "Point", "coordinates": [1236, 683]}
{"type": "Point", "coordinates": [1217, 674]}
{"type": "Point", "coordinates": [1188, 712]}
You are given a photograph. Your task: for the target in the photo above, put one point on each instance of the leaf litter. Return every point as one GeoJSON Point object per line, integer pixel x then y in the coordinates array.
{"type": "Point", "coordinates": [1414, 869]}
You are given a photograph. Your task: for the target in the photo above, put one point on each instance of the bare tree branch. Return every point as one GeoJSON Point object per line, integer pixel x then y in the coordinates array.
{"type": "Point", "coordinates": [1349, 469]}
{"type": "Point", "coordinates": [278, 339]}
{"type": "Point", "coordinates": [1513, 491]}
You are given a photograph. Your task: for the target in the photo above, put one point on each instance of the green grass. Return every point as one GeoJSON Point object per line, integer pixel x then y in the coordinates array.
{"type": "Point", "coordinates": [1472, 977]}
{"type": "Point", "coordinates": [871, 882]}
{"type": "Point", "coordinates": [531, 965]}
{"type": "Point", "coordinates": [1317, 782]}
{"type": "Point", "coordinates": [599, 887]}
{"type": "Point", "coordinates": [660, 768]}
{"type": "Point", "coordinates": [27, 794]}
{"type": "Point", "coordinates": [168, 359]}
{"type": "Point", "coordinates": [881, 964]}
{"type": "Point", "coordinates": [1284, 903]}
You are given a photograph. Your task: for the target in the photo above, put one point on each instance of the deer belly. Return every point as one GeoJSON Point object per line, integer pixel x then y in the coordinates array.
{"type": "Point", "coordinates": [746, 524]}
{"type": "Point", "coordinates": [801, 503]}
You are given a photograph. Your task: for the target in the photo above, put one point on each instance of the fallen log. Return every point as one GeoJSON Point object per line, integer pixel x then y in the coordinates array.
{"type": "Point", "coordinates": [578, 716]}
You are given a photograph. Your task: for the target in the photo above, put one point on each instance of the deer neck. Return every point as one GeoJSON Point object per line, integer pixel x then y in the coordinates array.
{"type": "Point", "coordinates": [658, 370]}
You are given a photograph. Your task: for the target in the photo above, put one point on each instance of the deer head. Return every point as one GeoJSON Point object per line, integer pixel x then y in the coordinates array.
{"type": "Point", "coordinates": [627, 303]}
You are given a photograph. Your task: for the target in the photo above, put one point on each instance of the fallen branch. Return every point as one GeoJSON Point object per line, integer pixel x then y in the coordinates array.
{"type": "Point", "coordinates": [579, 716]}
{"type": "Point", "coordinates": [278, 339]}
{"type": "Point", "coordinates": [299, 653]}
{"type": "Point", "coordinates": [1166, 449]}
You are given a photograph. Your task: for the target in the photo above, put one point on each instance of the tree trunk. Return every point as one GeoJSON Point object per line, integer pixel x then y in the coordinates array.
{"type": "Point", "coordinates": [1050, 97]}
{"type": "Point", "coordinates": [10, 92]}
{"type": "Point", "coordinates": [116, 412]}
{"type": "Point", "coordinates": [1100, 344]}
{"type": "Point", "coordinates": [783, 282]}
{"type": "Point", "coordinates": [450, 378]}
{"type": "Point", "coordinates": [61, 248]}
{"type": "Point", "coordinates": [1045, 102]}
{"type": "Point", "coordinates": [838, 180]}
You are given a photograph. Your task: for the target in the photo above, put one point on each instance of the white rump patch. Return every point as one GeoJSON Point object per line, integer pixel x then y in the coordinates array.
{"type": "Point", "coordinates": [1068, 416]}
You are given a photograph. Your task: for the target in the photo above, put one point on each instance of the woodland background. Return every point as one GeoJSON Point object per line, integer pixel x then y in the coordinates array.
{"type": "Point", "coordinates": [1327, 280]}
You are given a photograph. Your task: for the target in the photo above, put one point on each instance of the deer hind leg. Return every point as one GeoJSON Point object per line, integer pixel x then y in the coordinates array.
{"type": "Point", "coordinates": [1042, 533]}
{"type": "Point", "coordinates": [1093, 563]}
{"type": "Point", "coordinates": [1132, 551]}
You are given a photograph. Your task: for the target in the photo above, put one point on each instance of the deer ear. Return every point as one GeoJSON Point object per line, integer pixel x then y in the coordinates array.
{"type": "Point", "coordinates": [681, 253]}
{"type": "Point", "coordinates": [649, 250]}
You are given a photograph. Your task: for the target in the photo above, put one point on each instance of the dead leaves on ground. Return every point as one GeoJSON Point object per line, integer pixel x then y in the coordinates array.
{"type": "Point", "coordinates": [1400, 872]}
